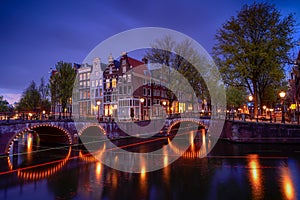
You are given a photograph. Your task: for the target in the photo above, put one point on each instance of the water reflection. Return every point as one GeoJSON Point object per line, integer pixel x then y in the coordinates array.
{"type": "Point", "coordinates": [198, 145]}
{"type": "Point", "coordinates": [288, 187]}
{"type": "Point", "coordinates": [255, 176]}
{"type": "Point", "coordinates": [231, 171]}
{"type": "Point", "coordinates": [44, 170]}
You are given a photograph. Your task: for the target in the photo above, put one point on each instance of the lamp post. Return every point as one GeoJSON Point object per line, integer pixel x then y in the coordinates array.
{"type": "Point", "coordinates": [142, 104]}
{"type": "Point", "coordinates": [98, 104]}
{"type": "Point", "coordinates": [164, 103]}
{"type": "Point", "coordinates": [264, 107]}
{"type": "Point", "coordinates": [282, 95]}
{"type": "Point", "coordinates": [250, 100]}
{"type": "Point", "coordinates": [44, 112]}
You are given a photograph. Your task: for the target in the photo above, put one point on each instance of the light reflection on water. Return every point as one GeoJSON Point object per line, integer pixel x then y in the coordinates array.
{"type": "Point", "coordinates": [288, 186]}
{"type": "Point", "coordinates": [255, 176]}
{"type": "Point", "coordinates": [232, 171]}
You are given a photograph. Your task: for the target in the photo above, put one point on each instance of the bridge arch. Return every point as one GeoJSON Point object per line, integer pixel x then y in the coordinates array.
{"type": "Point", "coordinates": [89, 126]}
{"type": "Point", "coordinates": [45, 132]}
{"type": "Point", "coordinates": [191, 120]}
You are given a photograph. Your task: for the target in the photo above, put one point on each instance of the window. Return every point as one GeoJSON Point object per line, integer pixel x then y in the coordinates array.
{"type": "Point", "coordinates": [124, 69]}
{"type": "Point", "coordinates": [114, 83]}
{"type": "Point", "coordinates": [125, 90]}
{"type": "Point", "coordinates": [120, 90]}
{"type": "Point", "coordinates": [100, 82]}
{"type": "Point", "coordinates": [129, 78]}
{"type": "Point", "coordinates": [96, 95]}
{"type": "Point", "coordinates": [144, 91]}
{"type": "Point", "coordinates": [93, 83]}
{"type": "Point", "coordinates": [84, 76]}
{"type": "Point", "coordinates": [80, 77]}
{"type": "Point", "coordinates": [129, 90]}
{"type": "Point", "coordinates": [88, 83]}
{"type": "Point", "coordinates": [107, 83]}
{"type": "Point", "coordinates": [149, 92]}
{"type": "Point", "coordinates": [149, 102]}
{"type": "Point", "coordinates": [110, 70]}
{"type": "Point", "coordinates": [88, 75]}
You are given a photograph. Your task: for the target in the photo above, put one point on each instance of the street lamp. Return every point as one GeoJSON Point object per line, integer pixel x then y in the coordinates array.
{"type": "Point", "coordinates": [98, 104]}
{"type": "Point", "coordinates": [250, 110]}
{"type": "Point", "coordinates": [282, 95]}
{"type": "Point", "coordinates": [44, 112]}
{"type": "Point", "coordinates": [142, 104]}
{"type": "Point", "coordinates": [250, 98]}
{"type": "Point", "coordinates": [264, 107]}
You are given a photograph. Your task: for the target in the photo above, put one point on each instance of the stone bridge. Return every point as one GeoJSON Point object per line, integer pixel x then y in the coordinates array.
{"type": "Point", "coordinates": [65, 132]}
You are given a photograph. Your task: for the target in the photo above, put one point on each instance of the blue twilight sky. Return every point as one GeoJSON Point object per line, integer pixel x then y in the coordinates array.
{"type": "Point", "coordinates": [36, 34]}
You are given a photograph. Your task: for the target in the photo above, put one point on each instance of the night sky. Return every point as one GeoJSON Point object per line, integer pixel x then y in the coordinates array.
{"type": "Point", "coordinates": [35, 35]}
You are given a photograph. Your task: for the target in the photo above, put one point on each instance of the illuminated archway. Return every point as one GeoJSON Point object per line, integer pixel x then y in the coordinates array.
{"type": "Point", "coordinates": [45, 133]}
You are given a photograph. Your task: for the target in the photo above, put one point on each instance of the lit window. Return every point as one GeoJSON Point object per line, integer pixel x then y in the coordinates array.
{"type": "Point", "coordinates": [107, 83]}
{"type": "Point", "coordinates": [100, 82]}
{"type": "Point", "coordinates": [114, 83]}
{"type": "Point", "coordinates": [129, 78]}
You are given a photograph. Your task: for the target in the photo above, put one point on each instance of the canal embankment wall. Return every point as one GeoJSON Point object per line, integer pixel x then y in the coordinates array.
{"type": "Point", "coordinates": [260, 132]}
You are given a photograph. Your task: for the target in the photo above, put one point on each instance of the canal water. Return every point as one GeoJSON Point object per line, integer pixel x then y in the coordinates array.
{"type": "Point", "coordinates": [230, 171]}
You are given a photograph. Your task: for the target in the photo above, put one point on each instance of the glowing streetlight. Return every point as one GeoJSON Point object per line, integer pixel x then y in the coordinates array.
{"type": "Point", "coordinates": [264, 107]}
{"type": "Point", "coordinates": [98, 104]}
{"type": "Point", "coordinates": [282, 95]}
{"type": "Point", "coordinates": [142, 104]}
{"type": "Point", "coordinates": [250, 98]}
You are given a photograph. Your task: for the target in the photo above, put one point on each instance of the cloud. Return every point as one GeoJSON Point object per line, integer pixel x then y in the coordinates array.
{"type": "Point", "coordinates": [11, 96]}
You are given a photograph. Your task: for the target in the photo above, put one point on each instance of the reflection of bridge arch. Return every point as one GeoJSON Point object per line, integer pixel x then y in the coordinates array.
{"type": "Point", "coordinates": [192, 152]}
{"type": "Point", "coordinates": [45, 133]}
{"type": "Point", "coordinates": [30, 173]}
{"type": "Point", "coordinates": [177, 121]}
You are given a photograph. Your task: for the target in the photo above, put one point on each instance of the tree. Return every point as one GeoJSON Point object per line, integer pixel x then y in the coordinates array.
{"type": "Point", "coordinates": [44, 92]}
{"type": "Point", "coordinates": [31, 99]}
{"type": "Point", "coordinates": [235, 96]}
{"type": "Point", "coordinates": [61, 84]}
{"type": "Point", "coordinates": [252, 48]}
{"type": "Point", "coordinates": [174, 58]}
{"type": "Point", "coordinates": [4, 105]}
